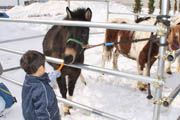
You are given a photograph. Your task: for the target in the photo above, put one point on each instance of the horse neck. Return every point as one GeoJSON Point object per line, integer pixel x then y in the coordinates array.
{"type": "Point", "coordinates": [111, 35]}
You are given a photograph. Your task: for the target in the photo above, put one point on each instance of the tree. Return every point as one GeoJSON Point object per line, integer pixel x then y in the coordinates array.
{"type": "Point", "coordinates": [169, 3]}
{"type": "Point", "coordinates": [175, 6]}
{"type": "Point", "coordinates": [160, 2]}
{"type": "Point", "coordinates": [151, 6]}
{"type": "Point", "coordinates": [137, 6]}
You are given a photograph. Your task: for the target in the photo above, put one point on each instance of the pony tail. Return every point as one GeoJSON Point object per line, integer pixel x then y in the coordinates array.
{"type": "Point", "coordinates": [110, 36]}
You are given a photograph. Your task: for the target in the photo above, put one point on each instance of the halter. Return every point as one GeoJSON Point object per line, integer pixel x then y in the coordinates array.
{"type": "Point", "coordinates": [76, 41]}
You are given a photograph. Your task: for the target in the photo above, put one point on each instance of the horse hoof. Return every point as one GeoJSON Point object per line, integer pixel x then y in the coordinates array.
{"type": "Point", "coordinates": [149, 97]}
{"type": "Point", "coordinates": [142, 89]}
{"type": "Point", "coordinates": [142, 86]}
{"type": "Point", "coordinates": [85, 83]}
{"type": "Point", "coordinates": [169, 72]}
{"type": "Point", "coordinates": [67, 113]}
{"type": "Point", "coordinates": [70, 107]}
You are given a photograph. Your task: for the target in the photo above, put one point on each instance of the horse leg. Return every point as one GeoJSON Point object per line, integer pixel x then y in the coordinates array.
{"type": "Point", "coordinates": [62, 85]}
{"type": "Point", "coordinates": [115, 60]}
{"type": "Point", "coordinates": [140, 84]}
{"type": "Point", "coordinates": [168, 68]}
{"type": "Point", "coordinates": [104, 57]}
{"type": "Point", "coordinates": [178, 65]}
{"type": "Point", "coordinates": [63, 90]}
{"type": "Point", "coordinates": [71, 85]}
{"type": "Point", "coordinates": [148, 67]}
{"type": "Point", "coordinates": [147, 73]}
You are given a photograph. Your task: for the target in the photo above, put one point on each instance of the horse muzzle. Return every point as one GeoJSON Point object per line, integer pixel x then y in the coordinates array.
{"type": "Point", "coordinates": [69, 57]}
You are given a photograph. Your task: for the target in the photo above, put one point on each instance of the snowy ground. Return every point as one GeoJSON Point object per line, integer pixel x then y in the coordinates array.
{"type": "Point", "coordinates": [112, 94]}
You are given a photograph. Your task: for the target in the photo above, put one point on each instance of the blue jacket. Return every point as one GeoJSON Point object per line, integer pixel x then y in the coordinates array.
{"type": "Point", "coordinates": [38, 99]}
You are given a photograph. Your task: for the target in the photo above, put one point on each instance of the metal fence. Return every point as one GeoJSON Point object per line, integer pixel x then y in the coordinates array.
{"type": "Point", "coordinates": [139, 14]}
{"type": "Point", "coordinates": [119, 13]}
{"type": "Point", "coordinates": [160, 72]}
{"type": "Point", "coordinates": [74, 104]}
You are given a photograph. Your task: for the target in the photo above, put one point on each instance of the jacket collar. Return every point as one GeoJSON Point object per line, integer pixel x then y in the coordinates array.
{"type": "Point", "coordinates": [35, 79]}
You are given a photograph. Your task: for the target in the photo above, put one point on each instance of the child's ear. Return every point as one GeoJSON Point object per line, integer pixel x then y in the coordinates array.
{"type": "Point", "coordinates": [41, 67]}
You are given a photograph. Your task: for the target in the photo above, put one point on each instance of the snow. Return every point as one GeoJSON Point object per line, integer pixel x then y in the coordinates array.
{"type": "Point", "coordinates": [11, 2]}
{"type": "Point", "coordinates": [116, 95]}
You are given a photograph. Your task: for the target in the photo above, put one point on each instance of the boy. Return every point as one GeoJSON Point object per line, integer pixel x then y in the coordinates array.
{"type": "Point", "coordinates": [38, 98]}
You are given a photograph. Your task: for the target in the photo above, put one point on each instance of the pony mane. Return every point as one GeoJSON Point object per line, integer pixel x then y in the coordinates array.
{"type": "Point", "coordinates": [138, 20]}
{"type": "Point", "coordinates": [78, 14]}
{"type": "Point", "coordinates": [149, 21]}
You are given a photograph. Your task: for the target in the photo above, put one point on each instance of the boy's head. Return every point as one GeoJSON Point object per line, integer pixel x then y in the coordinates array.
{"type": "Point", "coordinates": [32, 62]}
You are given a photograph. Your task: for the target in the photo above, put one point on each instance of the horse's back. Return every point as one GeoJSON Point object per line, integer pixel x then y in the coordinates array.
{"type": "Point", "coordinates": [121, 20]}
{"type": "Point", "coordinates": [140, 34]}
{"type": "Point", "coordinates": [175, 20]}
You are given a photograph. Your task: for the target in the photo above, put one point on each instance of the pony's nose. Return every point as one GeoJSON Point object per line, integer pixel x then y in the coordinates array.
{"type": "Point", "coordinates": [68, 59]}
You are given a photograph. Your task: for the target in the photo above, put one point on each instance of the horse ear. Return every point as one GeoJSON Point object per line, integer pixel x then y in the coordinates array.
{"type": "Point", "coordinates": [88, 14]}
{"type": "Point", "coordinates": [68, 13]}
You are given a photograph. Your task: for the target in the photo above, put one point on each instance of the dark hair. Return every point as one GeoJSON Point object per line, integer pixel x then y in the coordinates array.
{"type": "Point", "coordinates": [31, 61]}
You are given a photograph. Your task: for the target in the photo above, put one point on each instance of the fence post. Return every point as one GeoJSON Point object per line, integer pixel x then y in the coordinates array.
{"type": "Point", "coordinates": [160, 72]}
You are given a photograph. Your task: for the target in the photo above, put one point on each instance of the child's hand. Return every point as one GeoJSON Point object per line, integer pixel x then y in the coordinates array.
{"type": "Point", "coordinates": [53, 75]}
{"type": "Point", "coordinates": [57, 74]}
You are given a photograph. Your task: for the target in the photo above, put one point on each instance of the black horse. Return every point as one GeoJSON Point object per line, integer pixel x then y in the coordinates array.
{"type": "Point", "coordinates": [66, 42]}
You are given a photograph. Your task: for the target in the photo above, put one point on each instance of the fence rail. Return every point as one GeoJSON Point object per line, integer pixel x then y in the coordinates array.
{"type": "Point", "coordinates": [91, 68]}
{"type": "Point", "coordinates": [21, 39]}
{"type": "Point", "coordinates": [147, 15]}
{"type": "Point", "coordinates": [132, 27]}
{"type": "Point", "coordinates": [74, 104]}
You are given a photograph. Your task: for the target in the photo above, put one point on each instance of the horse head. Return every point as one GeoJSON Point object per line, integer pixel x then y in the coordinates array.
{"type": "Point", "coordinates": [174, 37]}
{"type": "Point", "coordinates": [76, 36]}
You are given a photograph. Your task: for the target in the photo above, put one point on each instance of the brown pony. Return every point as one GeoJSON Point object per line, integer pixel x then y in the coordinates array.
{"type": "Point", "coordinates": [136, 51]}
{"type": "Point", "coordinates": [65, 42]}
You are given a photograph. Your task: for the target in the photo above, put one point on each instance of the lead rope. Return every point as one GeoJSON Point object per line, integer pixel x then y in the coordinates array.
{"type": "Point", "coordinates": [115, 43]}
